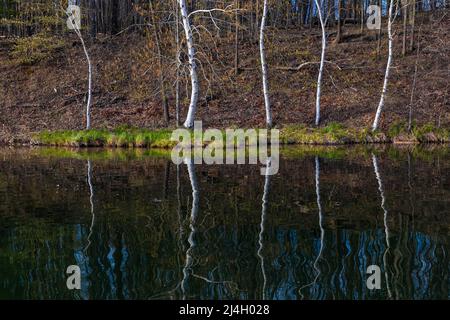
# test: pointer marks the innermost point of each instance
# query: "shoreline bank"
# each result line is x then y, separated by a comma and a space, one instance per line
330, 135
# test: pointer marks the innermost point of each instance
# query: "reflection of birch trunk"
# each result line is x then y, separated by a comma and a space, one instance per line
264, 67
192, 65
265, 202
91, 201
386, 228
319, 206
411, 190
187, 270
322, 230
180, 218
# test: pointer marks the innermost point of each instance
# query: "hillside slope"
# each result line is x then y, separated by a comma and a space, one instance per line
50, 95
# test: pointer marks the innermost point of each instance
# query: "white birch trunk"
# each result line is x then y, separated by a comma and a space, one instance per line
264, 67
189, 123
88, 105
376, 121
322, 62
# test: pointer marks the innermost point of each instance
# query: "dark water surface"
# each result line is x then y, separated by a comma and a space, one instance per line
140, 227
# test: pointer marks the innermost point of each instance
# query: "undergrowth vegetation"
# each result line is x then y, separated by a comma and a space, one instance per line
332, 134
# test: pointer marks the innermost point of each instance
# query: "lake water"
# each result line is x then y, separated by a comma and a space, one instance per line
141, 227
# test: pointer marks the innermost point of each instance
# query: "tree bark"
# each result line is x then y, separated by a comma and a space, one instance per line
236, 40
376, 121
264, 67
405, 5
157, 34
177, 58
189, 123
322, 62
339, 23
412, 20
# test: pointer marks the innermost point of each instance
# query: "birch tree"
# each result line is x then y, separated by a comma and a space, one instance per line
262, 51
189, 123
74, 25
376, 121
322, 60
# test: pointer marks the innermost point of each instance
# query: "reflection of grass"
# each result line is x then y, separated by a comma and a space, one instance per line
102, 154
326, 152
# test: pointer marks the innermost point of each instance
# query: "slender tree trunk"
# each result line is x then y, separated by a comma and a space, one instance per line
93, 19
362, 16
339, 23
177, 81
380, 32
257, 17
405, 25
412, 20
236, 40
413, 88
264, 67
157, 34
115, 25
322, 62
189, 123
376, 121
88, 105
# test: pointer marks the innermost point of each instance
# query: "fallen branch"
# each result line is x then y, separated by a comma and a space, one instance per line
297, 68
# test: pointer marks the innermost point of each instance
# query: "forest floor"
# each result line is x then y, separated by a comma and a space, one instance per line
50, 95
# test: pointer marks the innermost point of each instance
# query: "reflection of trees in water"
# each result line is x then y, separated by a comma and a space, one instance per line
191, 259
322, 230
187, 270
136, 256
265, 203
385, 219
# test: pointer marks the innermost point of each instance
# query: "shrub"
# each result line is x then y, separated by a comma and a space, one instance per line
39, 47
